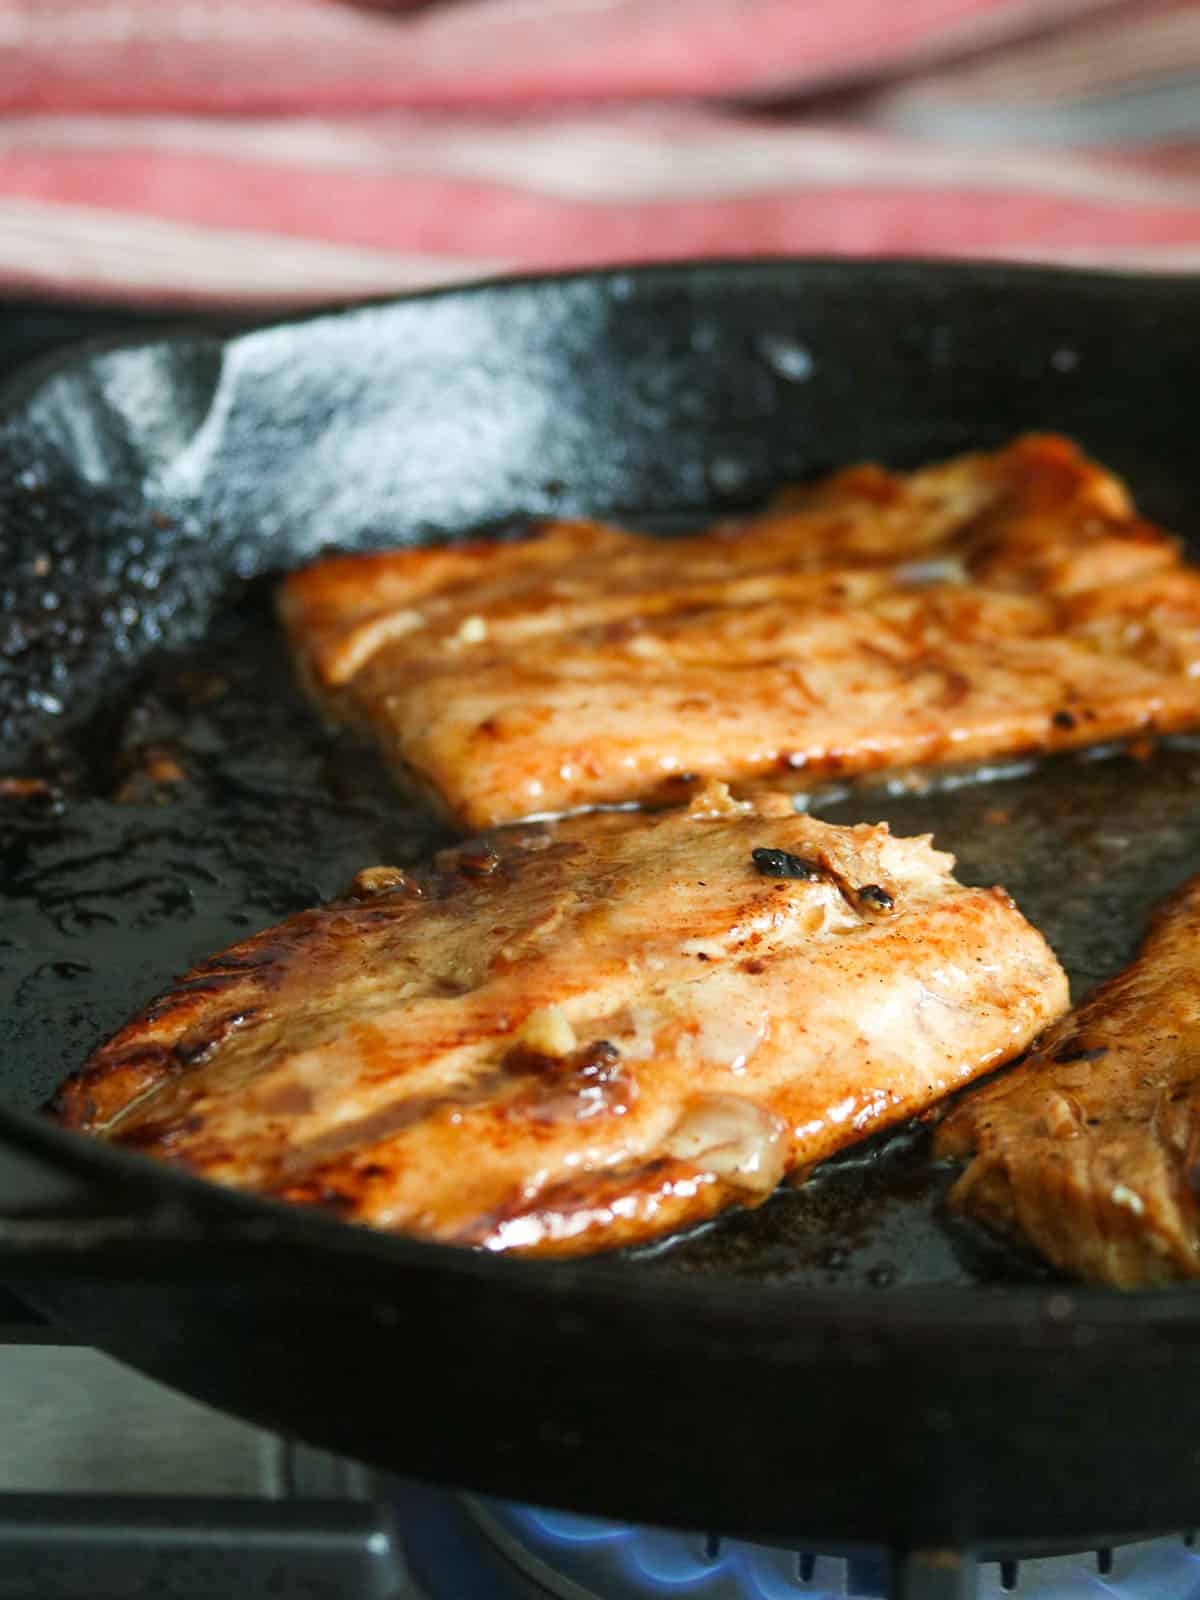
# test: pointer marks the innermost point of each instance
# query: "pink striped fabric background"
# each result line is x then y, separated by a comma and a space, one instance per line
292, 151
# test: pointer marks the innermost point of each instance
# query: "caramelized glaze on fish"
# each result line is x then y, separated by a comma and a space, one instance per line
993, 605
567, 1038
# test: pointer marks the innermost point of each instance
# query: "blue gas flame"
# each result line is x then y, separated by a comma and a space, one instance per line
618, 1558
658, 1562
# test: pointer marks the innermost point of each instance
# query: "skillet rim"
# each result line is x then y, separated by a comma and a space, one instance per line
227, 326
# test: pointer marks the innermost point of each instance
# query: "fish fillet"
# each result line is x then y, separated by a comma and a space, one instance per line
1090, 1150
991, 605
567, 1038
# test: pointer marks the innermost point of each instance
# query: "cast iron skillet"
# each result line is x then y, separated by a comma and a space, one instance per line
840, 1363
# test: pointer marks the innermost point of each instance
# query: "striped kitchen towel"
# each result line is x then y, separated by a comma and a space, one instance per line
293, 151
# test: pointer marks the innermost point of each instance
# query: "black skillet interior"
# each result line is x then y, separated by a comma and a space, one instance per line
150, 490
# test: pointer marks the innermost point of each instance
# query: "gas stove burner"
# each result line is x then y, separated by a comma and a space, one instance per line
112, 1485
584, 1558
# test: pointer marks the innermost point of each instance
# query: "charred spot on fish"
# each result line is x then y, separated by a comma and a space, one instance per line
596, 1059
1069, 1056
591, 1060
160, 1135
193, 1051
587, 1083
199, 1043
1063, 719
524, 1062
147, 1057
211, 983
231, 965
873, 894
782, 864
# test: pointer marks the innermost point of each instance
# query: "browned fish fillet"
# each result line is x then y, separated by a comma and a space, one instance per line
995, 604
570, 1038
1090, 1150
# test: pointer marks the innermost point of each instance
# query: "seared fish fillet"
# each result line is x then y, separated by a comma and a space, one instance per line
566, 1039
1090, 1150
994, 604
